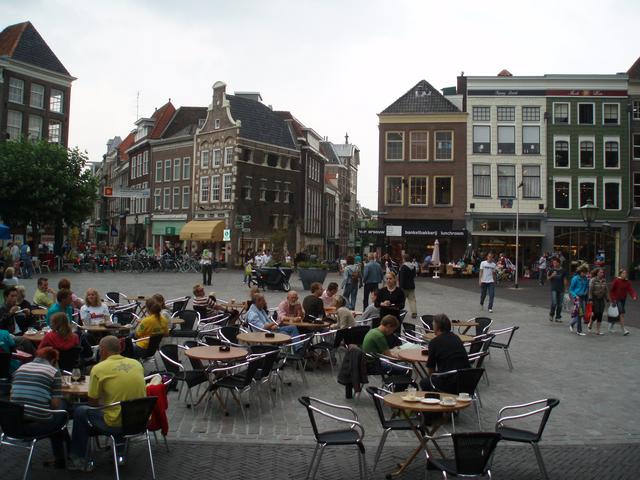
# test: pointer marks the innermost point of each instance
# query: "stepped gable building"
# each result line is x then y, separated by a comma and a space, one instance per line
35, 87
422, 179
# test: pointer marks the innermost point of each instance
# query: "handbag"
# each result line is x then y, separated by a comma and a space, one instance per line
612, 311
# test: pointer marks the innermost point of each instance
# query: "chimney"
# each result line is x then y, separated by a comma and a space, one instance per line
346, 138
505, 73
461, 89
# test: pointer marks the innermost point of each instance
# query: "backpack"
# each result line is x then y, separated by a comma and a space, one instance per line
355, 275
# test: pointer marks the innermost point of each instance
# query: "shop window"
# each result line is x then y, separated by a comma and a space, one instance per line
443, 191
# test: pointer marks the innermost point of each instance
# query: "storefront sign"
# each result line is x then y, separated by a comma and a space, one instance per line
419, 232
371, 231
394, 230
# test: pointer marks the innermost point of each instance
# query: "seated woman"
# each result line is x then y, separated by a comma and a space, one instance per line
10, 280
206, 306
343, 314
60, 337
164, 310
94, 312
153, 324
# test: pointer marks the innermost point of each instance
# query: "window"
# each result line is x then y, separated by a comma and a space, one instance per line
35, 127
176, 198
263, 189
610, 113
586, 154
133, 167
561, 113
216, 123
145, 163
139, 160
55, 132
611, 153
273, 221
442, 191
481, 139
585, 113
587, 191
506, 181
285, 222
481, 114
636, 110
167, 170
444, 145
157, 201
37, 96
186, 168
56, 98
228, 155
204, 159
276, 192
561, 153
395, 146
612, 192
482, 181
506, 114
14, 124
217, 158
530, 114
226, 187
530, 140
204, 189
176, 169
562, 194
288, 195
531, 181
636, 190
636, 146
167, 199
159, 171
506, 140
16, 90
417, 190
393, 190
215, 188
419, 145
272, 161
186, 197
246, 188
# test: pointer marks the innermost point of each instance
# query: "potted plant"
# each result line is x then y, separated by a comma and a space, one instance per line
311, 272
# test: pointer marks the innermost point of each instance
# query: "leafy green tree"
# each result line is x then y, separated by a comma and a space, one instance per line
44, 184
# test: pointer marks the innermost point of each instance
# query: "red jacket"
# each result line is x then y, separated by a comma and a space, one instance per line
159, 420
53, 339
620, 289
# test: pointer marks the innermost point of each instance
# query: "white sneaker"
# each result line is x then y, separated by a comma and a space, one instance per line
582, 334
571, 328
491, 310
601, 333
626, 332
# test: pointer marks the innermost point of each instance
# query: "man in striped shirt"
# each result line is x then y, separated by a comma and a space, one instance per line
38, 384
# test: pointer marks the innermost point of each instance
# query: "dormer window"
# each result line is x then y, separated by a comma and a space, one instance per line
216, 123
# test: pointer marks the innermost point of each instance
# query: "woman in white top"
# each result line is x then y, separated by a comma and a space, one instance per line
94, 312
10, 279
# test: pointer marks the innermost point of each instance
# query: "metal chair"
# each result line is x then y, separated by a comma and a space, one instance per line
150, 352
5, 373
526, 436
395, 376
464, 380
483, 325
290, 353
115, 297
178, 304
68, 359
189, 329
427, 321
229, 335
504, 346
347, 436
191, 378
473, 453
235, 383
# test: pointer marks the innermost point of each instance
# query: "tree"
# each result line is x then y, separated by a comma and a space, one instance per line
44, 184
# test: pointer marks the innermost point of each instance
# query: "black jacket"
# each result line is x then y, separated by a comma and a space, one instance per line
353, 370
406, 276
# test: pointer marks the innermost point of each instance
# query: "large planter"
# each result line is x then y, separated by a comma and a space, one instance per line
311, 275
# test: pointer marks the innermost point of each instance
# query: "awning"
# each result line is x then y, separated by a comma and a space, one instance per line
166, 227
203, 231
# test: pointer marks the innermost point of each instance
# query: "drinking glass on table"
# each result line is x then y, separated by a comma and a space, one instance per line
76, 374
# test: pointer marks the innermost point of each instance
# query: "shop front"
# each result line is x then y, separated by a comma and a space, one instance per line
206, 233
166, 230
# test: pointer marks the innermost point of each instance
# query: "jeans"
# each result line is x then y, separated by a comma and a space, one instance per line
82, 429
350, 293
542, 275
484, 287
577, 320
206, 274
368, 288
58, 440
27, 267
556, 304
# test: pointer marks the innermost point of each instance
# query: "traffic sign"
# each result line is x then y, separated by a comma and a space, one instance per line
238, 224
226, 235
246, 218
246, 230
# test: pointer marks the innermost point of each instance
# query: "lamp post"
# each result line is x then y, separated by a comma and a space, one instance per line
589, 212
515, 284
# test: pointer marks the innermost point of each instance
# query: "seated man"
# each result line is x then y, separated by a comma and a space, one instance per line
11, 316
114, 379
327, 295
313, 304
39, 384
28, 320
206, 306
63, 304
44, 296
446, 352
258, 316
290, 310
376, 341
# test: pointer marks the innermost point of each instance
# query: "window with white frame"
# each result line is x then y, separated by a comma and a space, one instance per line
481, 114
217, 158
587, 191
176, 198
166, 204
186, 168
246, 188
481, 139
530, 140
586, 113
167, 170
482, 181
263, 189
444, 145
16, 90
562, 193
216, 123
139, 160
636, 190
610, 113
226, 187
204, 189
215, 188
228, 156
636, 110
55, 132
395, 146
133, 167
35, 127
157, 199
419, 145
285, 221
276, 192
531, 181
561, 114
393, 191
530, 114
145, 162
636, 146
586, 153
186, 197
159, 171
177, 169
418, 190
14, 124
204, 159
506, 140
273, 221
37, 96
612, 192
443, 191
506, 114
56, 100
506, 181
288, 194
561, 152
611, 152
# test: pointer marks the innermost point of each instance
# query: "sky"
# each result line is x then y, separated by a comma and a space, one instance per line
335, 64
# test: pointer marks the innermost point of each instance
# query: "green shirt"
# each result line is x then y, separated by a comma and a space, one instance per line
42, 298
375, 342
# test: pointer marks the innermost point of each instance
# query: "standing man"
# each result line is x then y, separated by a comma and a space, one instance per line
487, 281
542, 268
205, 261
371, 277
557, 277
27, 262
406, 278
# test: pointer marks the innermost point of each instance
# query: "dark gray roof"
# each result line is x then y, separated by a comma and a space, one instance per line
184, 121
326, 148
260, 123
422, 98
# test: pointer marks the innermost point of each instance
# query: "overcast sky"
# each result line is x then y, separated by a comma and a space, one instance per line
334, 64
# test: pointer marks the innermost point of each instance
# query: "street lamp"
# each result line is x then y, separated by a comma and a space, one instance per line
589, 212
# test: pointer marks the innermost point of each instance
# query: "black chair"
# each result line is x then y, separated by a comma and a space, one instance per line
117, 297
236, 384
296, 352
5, 373
395, 376
191, 378
504, 346
353, 435
189, 329
69, 359
124, 317
229, 335
427, 321
483, 325
526, 436
352, 335
473, 453
464, 380
135, 417
14, 431
388, 424
149, 353
178, 305
267, 356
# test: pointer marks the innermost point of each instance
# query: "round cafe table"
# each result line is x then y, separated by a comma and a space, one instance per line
39, 312
34, 337
416, 357
76, 389
464, 338
309, 325
260, 338
214, 354
114, 328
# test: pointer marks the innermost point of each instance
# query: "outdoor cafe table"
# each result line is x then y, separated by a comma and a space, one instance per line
78, 390
34, 337
415, 356
260, 338
395, 401
115, 328
464, 338
464, 324
39, 312
308, 325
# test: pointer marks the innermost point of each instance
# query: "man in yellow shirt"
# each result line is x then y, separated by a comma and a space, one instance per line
44, 296
114, 379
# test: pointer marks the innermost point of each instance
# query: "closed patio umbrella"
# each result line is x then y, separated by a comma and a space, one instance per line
5, 232
435, 258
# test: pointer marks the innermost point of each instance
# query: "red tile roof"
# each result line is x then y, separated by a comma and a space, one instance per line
10, 37
125, 145
162, 117
634, 71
